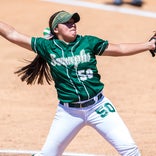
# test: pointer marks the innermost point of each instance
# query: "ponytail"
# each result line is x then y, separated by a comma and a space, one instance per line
37, 70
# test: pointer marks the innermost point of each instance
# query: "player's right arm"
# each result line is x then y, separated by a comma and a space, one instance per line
9, 33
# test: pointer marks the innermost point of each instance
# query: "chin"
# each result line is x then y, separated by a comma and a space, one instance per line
73, 37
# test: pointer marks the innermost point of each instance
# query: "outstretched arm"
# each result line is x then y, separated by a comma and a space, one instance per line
9, 33
126, 49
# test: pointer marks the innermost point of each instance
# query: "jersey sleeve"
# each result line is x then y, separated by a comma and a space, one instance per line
38, 46
98, 45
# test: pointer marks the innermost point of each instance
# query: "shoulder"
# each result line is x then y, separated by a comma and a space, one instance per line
92, 39
39, 40
86, 36
39, 43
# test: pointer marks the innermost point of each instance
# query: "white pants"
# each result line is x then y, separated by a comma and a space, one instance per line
102, 116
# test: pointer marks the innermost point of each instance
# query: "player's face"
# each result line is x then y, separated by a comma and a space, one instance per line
66, 31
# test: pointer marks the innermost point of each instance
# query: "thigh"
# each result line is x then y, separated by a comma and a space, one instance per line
63, 129
106, 120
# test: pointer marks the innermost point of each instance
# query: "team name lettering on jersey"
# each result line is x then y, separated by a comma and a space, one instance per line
72, 60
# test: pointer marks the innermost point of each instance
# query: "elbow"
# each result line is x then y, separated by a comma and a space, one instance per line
115, 50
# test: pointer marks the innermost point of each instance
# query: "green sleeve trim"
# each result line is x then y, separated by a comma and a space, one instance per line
104, 46
33, 44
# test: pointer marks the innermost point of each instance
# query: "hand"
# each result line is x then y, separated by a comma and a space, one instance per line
153, 41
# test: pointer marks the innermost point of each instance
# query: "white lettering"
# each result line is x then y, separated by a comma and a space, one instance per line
72, 60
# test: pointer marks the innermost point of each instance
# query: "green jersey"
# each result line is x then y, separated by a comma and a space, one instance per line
73, 66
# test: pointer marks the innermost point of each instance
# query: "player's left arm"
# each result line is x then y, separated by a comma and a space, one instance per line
126, 49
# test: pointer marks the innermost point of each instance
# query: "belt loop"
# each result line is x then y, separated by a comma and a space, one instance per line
81, 105
96, 99
66, 104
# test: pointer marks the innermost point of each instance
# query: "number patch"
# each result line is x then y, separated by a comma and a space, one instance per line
104, 110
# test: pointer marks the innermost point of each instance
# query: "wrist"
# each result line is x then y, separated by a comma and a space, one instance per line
152, 44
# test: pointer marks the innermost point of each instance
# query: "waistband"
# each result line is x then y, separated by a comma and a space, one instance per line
83, 104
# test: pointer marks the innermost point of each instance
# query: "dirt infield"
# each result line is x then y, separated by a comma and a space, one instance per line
130, 82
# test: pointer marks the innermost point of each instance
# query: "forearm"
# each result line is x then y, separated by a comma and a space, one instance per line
127, 49
133, 48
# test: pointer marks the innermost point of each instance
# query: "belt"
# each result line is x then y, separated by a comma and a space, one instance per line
83, 104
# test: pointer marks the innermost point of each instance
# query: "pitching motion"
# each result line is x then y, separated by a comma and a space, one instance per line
69, 60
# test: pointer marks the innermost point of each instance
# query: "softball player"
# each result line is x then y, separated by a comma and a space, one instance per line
72, 62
